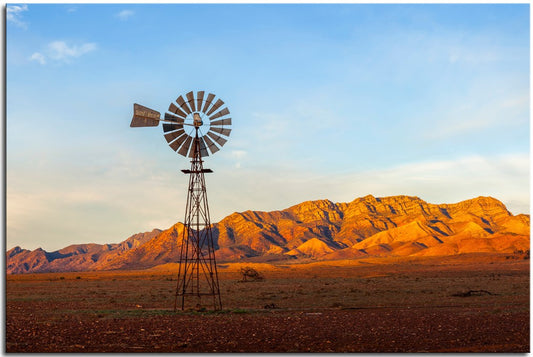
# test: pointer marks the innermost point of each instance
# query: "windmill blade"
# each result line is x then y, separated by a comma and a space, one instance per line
177, 143
193, 149
190, 100
174, 135
183, 105
200, 98
172, 108
221, 131
218, 139
172, 117
186, 146
221, 113
211, 145
143, 116
215, 107
221, 122
171, 127
208, 101
203, 148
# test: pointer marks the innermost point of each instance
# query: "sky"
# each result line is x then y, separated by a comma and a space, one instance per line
327, 102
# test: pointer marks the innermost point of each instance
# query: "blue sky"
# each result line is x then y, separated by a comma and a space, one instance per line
328, 101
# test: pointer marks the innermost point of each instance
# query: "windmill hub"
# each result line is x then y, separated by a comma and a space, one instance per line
197, 120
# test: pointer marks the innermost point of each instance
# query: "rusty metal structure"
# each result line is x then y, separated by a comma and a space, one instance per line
193, 126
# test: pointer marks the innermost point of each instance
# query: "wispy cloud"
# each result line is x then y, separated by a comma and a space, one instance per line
238, 156
39, 57
14, 14
124, 198
474, 56
125, 14
505, 177
60, 51
482, 112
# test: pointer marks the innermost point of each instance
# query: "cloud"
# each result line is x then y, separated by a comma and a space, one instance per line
39, 57
238, 156
473, 55
271, 125
480, 110
108, 203
504, 177
14, 14
60, 51
125, 14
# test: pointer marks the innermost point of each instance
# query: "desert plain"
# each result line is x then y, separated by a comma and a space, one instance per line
460, 303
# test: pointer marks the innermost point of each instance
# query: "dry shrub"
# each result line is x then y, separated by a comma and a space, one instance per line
250, 274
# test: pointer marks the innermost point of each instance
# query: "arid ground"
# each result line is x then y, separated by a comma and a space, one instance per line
474, 303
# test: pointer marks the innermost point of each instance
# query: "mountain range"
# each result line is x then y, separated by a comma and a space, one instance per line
312, 230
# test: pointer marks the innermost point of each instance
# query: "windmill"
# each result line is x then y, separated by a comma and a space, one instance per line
193, 127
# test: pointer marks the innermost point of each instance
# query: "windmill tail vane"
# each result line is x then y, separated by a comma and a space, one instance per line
143, 116
194, 127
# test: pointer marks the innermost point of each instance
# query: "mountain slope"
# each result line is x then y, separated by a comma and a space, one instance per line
367, 226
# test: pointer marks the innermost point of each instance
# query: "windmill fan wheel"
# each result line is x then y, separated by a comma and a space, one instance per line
205, 114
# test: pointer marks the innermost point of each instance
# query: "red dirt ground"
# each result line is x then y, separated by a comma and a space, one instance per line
408, 307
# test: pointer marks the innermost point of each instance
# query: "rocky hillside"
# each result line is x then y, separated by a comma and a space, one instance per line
321, 230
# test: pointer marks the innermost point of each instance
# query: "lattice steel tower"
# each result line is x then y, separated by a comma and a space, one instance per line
193, 128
